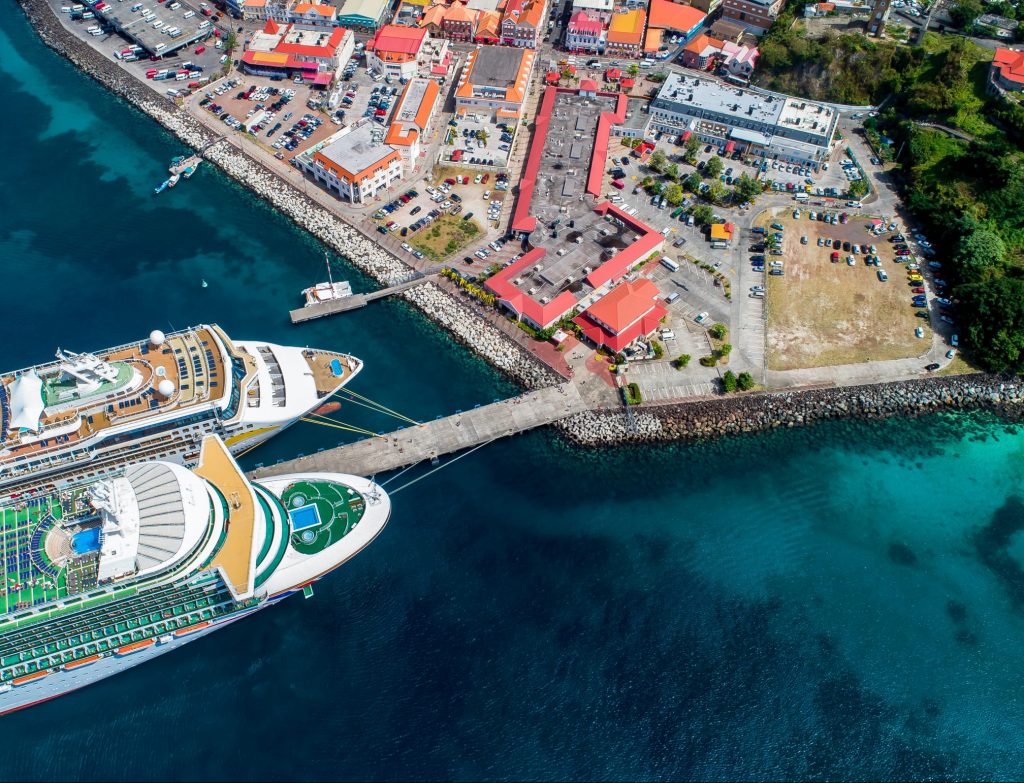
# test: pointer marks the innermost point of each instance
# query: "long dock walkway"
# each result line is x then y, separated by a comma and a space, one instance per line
441, 436
355, 301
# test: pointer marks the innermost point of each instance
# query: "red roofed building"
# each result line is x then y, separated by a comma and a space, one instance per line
1007, 71
459, 22
522, 22
397, 51
628, 311
584, 33
288, 50
541, 289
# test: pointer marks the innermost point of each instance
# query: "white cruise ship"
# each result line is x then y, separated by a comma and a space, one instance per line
102, 575
88, 413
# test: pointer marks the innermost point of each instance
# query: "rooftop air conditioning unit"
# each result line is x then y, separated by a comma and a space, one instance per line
545, 299
533, 291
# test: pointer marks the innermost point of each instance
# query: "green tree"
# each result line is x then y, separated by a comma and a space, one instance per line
230, 42
964, 12
717, 191
657, 161
745, 381
725, 350
979, 249
714, 168
692, 182
718, 331
681, 362
633, 70
703, 214
674, 195
729, 381
858, 188
994, 312
672, 172
747, 188
691, 148
708, 361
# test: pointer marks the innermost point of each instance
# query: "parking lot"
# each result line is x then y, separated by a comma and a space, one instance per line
201, 59
482, 142
837, 293
457, 195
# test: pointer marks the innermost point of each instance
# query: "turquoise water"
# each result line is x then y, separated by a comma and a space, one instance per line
844, 601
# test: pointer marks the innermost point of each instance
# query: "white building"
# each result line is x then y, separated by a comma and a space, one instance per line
355, 162
768, 126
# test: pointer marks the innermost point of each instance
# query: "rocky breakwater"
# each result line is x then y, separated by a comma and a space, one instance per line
329, 228
706, 419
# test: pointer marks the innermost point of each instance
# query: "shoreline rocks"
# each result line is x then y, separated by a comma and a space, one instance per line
707, 419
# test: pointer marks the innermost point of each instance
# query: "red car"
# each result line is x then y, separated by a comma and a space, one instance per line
918, 290
486, 177
449, 181
200, 49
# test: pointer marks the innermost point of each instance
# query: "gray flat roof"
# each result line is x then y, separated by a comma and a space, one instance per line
414, 93
496, 66
134, 26
356, 150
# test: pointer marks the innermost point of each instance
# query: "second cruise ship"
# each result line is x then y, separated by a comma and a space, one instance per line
85, 414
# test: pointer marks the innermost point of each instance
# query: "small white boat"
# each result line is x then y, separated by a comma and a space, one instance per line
325, 292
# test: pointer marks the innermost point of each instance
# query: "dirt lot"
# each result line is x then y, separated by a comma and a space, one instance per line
822, 313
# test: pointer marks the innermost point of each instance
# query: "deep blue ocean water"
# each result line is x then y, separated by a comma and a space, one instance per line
844, 601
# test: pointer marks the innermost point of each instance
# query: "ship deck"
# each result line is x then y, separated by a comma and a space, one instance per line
191, 360
321, 513
235, 555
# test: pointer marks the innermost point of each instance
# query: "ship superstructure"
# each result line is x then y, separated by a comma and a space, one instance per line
103, 575
91, 412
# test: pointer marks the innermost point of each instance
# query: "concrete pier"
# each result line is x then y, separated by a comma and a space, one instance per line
442, 436
353, 302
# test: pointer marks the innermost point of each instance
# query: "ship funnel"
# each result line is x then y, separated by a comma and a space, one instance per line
156, 338
165, 387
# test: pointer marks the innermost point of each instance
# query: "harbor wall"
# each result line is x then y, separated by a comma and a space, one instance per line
466, 326
710, 418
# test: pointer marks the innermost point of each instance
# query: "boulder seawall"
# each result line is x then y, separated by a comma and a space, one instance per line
707, 419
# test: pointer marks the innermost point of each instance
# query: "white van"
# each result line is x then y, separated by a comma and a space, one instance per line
801, 197
203, 25
189, 14
159, 46
669, 264
671, 298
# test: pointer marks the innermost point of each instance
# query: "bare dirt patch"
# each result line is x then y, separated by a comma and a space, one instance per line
823, 313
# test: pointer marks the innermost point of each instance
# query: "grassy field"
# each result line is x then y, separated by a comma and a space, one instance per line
445, 236
822, 314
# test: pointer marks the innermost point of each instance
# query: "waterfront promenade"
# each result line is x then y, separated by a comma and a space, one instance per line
416, 443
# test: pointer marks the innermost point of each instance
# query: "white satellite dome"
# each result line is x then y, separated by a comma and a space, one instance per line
156, 338
165, 387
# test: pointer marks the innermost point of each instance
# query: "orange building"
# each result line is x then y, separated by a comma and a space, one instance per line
353, 164
626, 33
494, 81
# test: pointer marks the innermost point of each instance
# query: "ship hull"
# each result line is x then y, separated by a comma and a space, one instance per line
63, 682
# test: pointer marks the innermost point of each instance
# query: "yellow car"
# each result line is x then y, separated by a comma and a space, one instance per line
915, 279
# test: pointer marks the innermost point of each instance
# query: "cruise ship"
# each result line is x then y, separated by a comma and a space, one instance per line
87, 413
103, 575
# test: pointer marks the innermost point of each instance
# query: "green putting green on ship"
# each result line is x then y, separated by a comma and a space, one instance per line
321, 513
